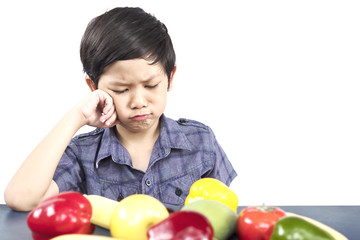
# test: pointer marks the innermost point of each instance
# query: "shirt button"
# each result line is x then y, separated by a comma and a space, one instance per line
178, 192
183, 120
148, 182
120, 197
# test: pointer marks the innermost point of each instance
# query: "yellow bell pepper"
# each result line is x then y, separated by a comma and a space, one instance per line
211, 188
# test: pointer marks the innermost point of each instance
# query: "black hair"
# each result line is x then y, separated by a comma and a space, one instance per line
123, 34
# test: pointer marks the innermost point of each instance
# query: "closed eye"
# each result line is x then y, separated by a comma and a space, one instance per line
120, 91
152, 86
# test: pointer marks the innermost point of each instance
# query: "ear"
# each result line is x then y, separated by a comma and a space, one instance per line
171, 79
90, 83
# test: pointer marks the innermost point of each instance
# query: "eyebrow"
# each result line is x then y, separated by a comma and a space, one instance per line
121, 82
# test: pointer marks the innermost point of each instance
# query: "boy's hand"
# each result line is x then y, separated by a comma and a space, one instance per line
98, 110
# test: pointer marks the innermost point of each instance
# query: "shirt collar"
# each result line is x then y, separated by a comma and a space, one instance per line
110, 146
170, 137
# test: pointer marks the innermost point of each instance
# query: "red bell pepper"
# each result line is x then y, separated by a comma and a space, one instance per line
257, 223
182, 225
67, 212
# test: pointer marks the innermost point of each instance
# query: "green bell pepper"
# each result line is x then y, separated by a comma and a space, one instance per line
296, 228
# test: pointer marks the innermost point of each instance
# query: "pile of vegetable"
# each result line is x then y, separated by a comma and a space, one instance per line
210, 212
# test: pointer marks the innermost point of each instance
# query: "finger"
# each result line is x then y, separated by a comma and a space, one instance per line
108, 104
104, 100
106, 116
112, 121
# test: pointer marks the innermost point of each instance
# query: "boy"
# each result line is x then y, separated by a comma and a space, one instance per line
129, 60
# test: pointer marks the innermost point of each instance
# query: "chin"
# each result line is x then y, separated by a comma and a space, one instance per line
138, 126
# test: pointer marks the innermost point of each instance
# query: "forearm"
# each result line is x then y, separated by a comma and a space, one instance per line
31, 182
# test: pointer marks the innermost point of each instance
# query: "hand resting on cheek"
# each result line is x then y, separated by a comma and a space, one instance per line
98, 110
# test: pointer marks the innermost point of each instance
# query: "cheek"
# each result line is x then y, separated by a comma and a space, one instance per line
119, 103
156, 98
160, 101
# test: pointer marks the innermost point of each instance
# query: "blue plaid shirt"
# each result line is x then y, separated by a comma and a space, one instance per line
186, 150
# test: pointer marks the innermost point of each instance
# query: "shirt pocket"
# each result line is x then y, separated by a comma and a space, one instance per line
117, 180
117, 190
175, 190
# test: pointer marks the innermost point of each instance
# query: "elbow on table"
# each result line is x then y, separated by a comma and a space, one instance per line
19, 201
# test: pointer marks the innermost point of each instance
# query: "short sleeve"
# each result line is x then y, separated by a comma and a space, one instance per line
223, 169
69, 175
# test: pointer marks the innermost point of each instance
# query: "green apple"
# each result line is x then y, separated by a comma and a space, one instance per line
134, 215
222, 218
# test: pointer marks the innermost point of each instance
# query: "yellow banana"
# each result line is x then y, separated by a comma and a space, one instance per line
82, 237
335, 234
102, 209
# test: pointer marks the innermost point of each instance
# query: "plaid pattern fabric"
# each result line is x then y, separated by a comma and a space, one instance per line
186, 150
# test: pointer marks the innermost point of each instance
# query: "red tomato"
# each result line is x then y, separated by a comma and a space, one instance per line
257, 223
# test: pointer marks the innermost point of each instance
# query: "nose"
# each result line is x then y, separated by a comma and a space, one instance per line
137, 100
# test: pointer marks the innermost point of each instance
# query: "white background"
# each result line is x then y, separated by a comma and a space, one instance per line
278, 82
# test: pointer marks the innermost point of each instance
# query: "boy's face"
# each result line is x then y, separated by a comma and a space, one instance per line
139, 91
